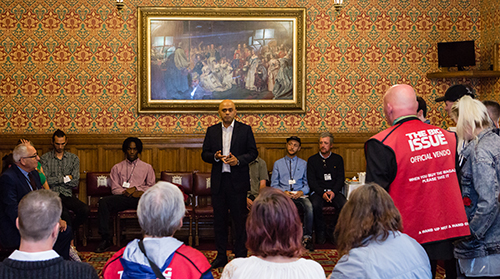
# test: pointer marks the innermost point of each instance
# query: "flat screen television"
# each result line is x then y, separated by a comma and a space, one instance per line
456, 54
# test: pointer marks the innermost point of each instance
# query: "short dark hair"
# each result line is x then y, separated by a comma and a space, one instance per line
7, 161
126, 144
58, 133
422, 105
273, 226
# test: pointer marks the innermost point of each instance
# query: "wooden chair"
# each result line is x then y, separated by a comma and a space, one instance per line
203, 201
97, 187
184, 180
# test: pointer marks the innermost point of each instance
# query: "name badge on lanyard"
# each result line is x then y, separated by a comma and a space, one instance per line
328, 176
126, 184
291, 181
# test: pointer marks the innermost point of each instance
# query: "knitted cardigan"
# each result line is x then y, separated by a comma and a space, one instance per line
54, 269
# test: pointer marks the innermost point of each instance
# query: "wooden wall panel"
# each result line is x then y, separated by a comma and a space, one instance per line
184, 153
169, 159
194, 161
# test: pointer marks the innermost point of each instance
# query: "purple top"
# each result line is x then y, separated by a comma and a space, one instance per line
138, 173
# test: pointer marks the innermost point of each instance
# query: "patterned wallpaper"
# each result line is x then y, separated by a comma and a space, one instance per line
71, 64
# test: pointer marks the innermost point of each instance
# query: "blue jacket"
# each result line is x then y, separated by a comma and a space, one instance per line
480, 182
399, 256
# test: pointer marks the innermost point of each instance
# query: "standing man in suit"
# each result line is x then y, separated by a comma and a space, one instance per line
17, 181
229, 146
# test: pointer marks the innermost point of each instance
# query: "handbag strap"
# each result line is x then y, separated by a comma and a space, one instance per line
155, 268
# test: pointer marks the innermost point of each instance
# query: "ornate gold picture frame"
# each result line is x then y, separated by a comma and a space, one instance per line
189, 59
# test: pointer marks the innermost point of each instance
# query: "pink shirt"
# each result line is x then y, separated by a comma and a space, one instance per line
138, 173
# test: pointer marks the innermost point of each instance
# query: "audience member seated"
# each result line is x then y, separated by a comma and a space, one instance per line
325, 175
128, 181
38, 224
159, 255
17, 181
290, 176
62, 170
274, 235
258, 179
370, 241
478, 254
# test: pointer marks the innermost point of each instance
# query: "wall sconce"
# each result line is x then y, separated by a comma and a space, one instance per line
119, 5
338, 4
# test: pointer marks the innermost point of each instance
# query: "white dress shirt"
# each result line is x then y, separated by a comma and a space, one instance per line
227, 134
33, 256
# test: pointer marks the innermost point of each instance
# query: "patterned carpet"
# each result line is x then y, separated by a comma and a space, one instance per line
327, 258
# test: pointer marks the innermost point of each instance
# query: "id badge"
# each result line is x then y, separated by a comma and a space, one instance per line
328, 176
291, 181
126, 184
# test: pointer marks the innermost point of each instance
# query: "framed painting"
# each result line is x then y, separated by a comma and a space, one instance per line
189, 59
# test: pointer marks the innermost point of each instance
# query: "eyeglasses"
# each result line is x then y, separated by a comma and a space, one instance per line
34, 156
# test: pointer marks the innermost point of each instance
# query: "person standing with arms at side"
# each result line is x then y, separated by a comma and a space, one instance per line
415, 163
325, 175
62, 170
229, 146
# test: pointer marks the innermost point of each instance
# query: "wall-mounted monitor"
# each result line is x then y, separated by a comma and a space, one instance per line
456, 54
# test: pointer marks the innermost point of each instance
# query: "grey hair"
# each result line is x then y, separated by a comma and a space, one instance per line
470, 114
326, 135
38, 213
161, 209
21, 150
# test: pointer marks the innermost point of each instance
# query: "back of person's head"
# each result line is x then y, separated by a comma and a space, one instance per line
38, 212
422, 106
126, 144
493, 111
7, 162
21, 150
161, 209
470, 114
369, 213
273, 226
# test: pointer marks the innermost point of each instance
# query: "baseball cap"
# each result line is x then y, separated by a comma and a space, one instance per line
293, 138
455, 92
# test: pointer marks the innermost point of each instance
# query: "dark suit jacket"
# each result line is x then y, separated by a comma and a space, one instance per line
242, 146
13, 187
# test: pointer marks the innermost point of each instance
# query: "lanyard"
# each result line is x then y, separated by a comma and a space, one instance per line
130, 176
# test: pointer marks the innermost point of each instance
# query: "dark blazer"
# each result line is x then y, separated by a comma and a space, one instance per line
13, 187
242, 146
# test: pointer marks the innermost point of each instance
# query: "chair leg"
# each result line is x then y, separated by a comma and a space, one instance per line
190, 238
118, 232
196, 233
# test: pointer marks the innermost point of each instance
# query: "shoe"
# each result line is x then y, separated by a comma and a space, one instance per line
73, 254
308, 243
103, 246
218, 262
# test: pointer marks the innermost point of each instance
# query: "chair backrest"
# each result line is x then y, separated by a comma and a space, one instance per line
97, 184
184, 179
202, 184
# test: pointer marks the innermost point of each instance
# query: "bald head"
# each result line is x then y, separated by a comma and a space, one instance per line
227, 112
400, 100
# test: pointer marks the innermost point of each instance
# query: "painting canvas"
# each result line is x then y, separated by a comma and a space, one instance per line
190, 59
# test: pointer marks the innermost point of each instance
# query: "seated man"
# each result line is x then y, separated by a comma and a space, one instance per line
325, 174
290, 176
62, 170
17, 181
38, 224
258, 178
160, 213
128, 181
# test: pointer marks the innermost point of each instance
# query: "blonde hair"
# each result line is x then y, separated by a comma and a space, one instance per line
470, 115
